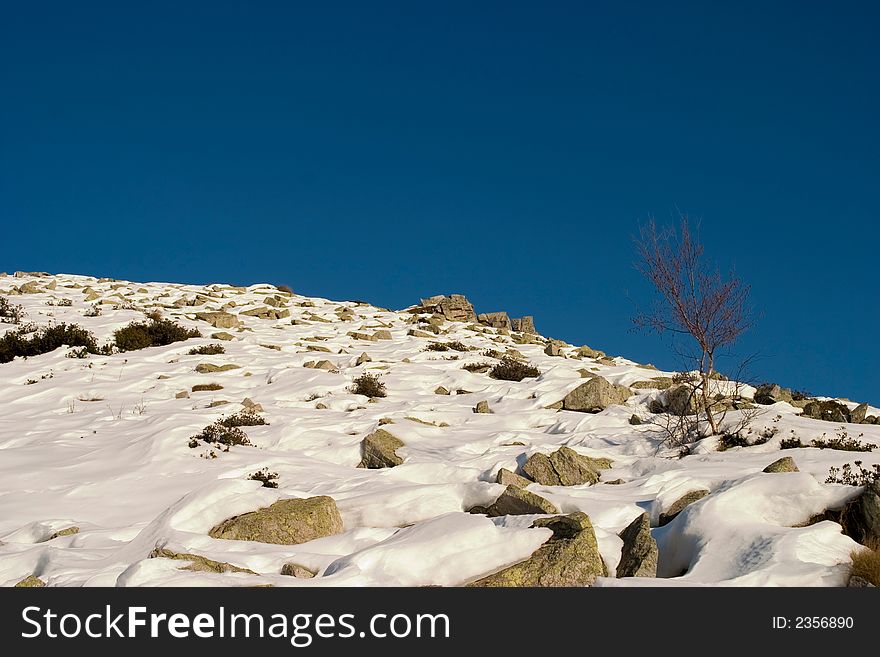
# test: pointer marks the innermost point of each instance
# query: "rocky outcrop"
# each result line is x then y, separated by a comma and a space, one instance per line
379, 450
785, 464
860, 518
220, 319
525, 324
509, 478
678, 506
829, 410
482, 407
286, 522
515, 501
770, 393
455, 307
495, 320
564, 467
859, 414
569, 558
595, 395
639, 554
198, 563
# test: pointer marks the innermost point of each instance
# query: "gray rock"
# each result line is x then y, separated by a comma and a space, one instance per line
495, 320
219, 319
564, 467
525, 324
785, 464
682, 399
569, 558
639, 555
379, 450
859, 413
678, 506
482, 407
770, 393
509, 478
635, 420
295, 570
861, 517
455, 307
595, 395
198, 563
516, 501
829, 410
286, 522
555, 348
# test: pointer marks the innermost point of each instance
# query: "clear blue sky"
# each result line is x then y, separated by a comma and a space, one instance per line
507, 150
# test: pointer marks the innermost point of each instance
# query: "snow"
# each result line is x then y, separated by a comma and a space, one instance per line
102, 444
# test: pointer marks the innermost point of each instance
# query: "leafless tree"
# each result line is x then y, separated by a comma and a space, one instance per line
694, 300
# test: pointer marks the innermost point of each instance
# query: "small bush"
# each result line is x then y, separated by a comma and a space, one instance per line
843, 442
369, 385
153, 333
93, 311
207, 350
268, 478
477, 368
217, 434
65, 303
436, 346
846, 475
206, 387
10, 313
791, 443
27, 342
728, 440
510, 369
866, 563
243, 419
79, 352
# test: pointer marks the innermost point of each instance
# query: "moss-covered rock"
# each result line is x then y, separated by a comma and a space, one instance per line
286, 522
31, 582
678, 506
564, 467
595, 395
639, 555
785, 464
379, 450
516, 501
509, 478
198, 563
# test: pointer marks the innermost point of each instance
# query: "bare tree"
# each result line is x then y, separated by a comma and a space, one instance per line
693, 299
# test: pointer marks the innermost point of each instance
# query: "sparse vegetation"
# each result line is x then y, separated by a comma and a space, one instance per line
27, 342
369, 385
477, 368
206, 387
10, 313
268, 478
853, 477
93, 311
791, 443
843, 441
207, 350
218, 434
246, 418
454, 345
510, 369
155, 332
866, 563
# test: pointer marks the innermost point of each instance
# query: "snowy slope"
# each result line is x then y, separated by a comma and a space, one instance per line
101, 443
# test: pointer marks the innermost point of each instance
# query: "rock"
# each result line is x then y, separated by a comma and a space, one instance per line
569, 558
785, 464
286, 522
419, 334
363, 358
658, 382
67, 531
183, 394
295, 570
678, 506
30, 582
639, 554
516, 501
482, 407
564, 467
455, 307
495, 320
359, 335
586, 352
872, 419
770, 393
856, 582
830, 411
222, 335
320, 365
595, 395
682, 399
379, 450
198, 563
29, 288
525, 324
861, 517
859, 413
555, 348
508, 478
635, 420
210, 368
440, 390
219, 319
251, 405
383, 335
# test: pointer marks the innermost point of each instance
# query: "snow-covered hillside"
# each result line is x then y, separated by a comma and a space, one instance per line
104, 444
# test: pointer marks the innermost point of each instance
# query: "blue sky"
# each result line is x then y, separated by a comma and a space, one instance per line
390, 150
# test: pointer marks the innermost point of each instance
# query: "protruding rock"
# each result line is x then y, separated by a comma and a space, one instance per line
210, 368
564, 467
859, 413
67, 531
516, 501
555, 348
363, 358
861, 517
525, 324
286, 522
770, 393
379, 450
829, 410
198, 563
495, 320
509, 478
635, 420
595, 395
785, 464
295, 570
31, 582
678, 506
639, 554
455, 307
569, 558
482, 407
219, 319
440, 390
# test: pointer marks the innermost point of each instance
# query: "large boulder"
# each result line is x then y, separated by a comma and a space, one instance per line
678, 506
770, 393
379, 450
639, 554
525, 324
455, 307
861, 517
595, 395
286, 522
219, 319
829, 410
859, 413
682, 399
564, 467
495, 320
509, 478
515, 501
569, 558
